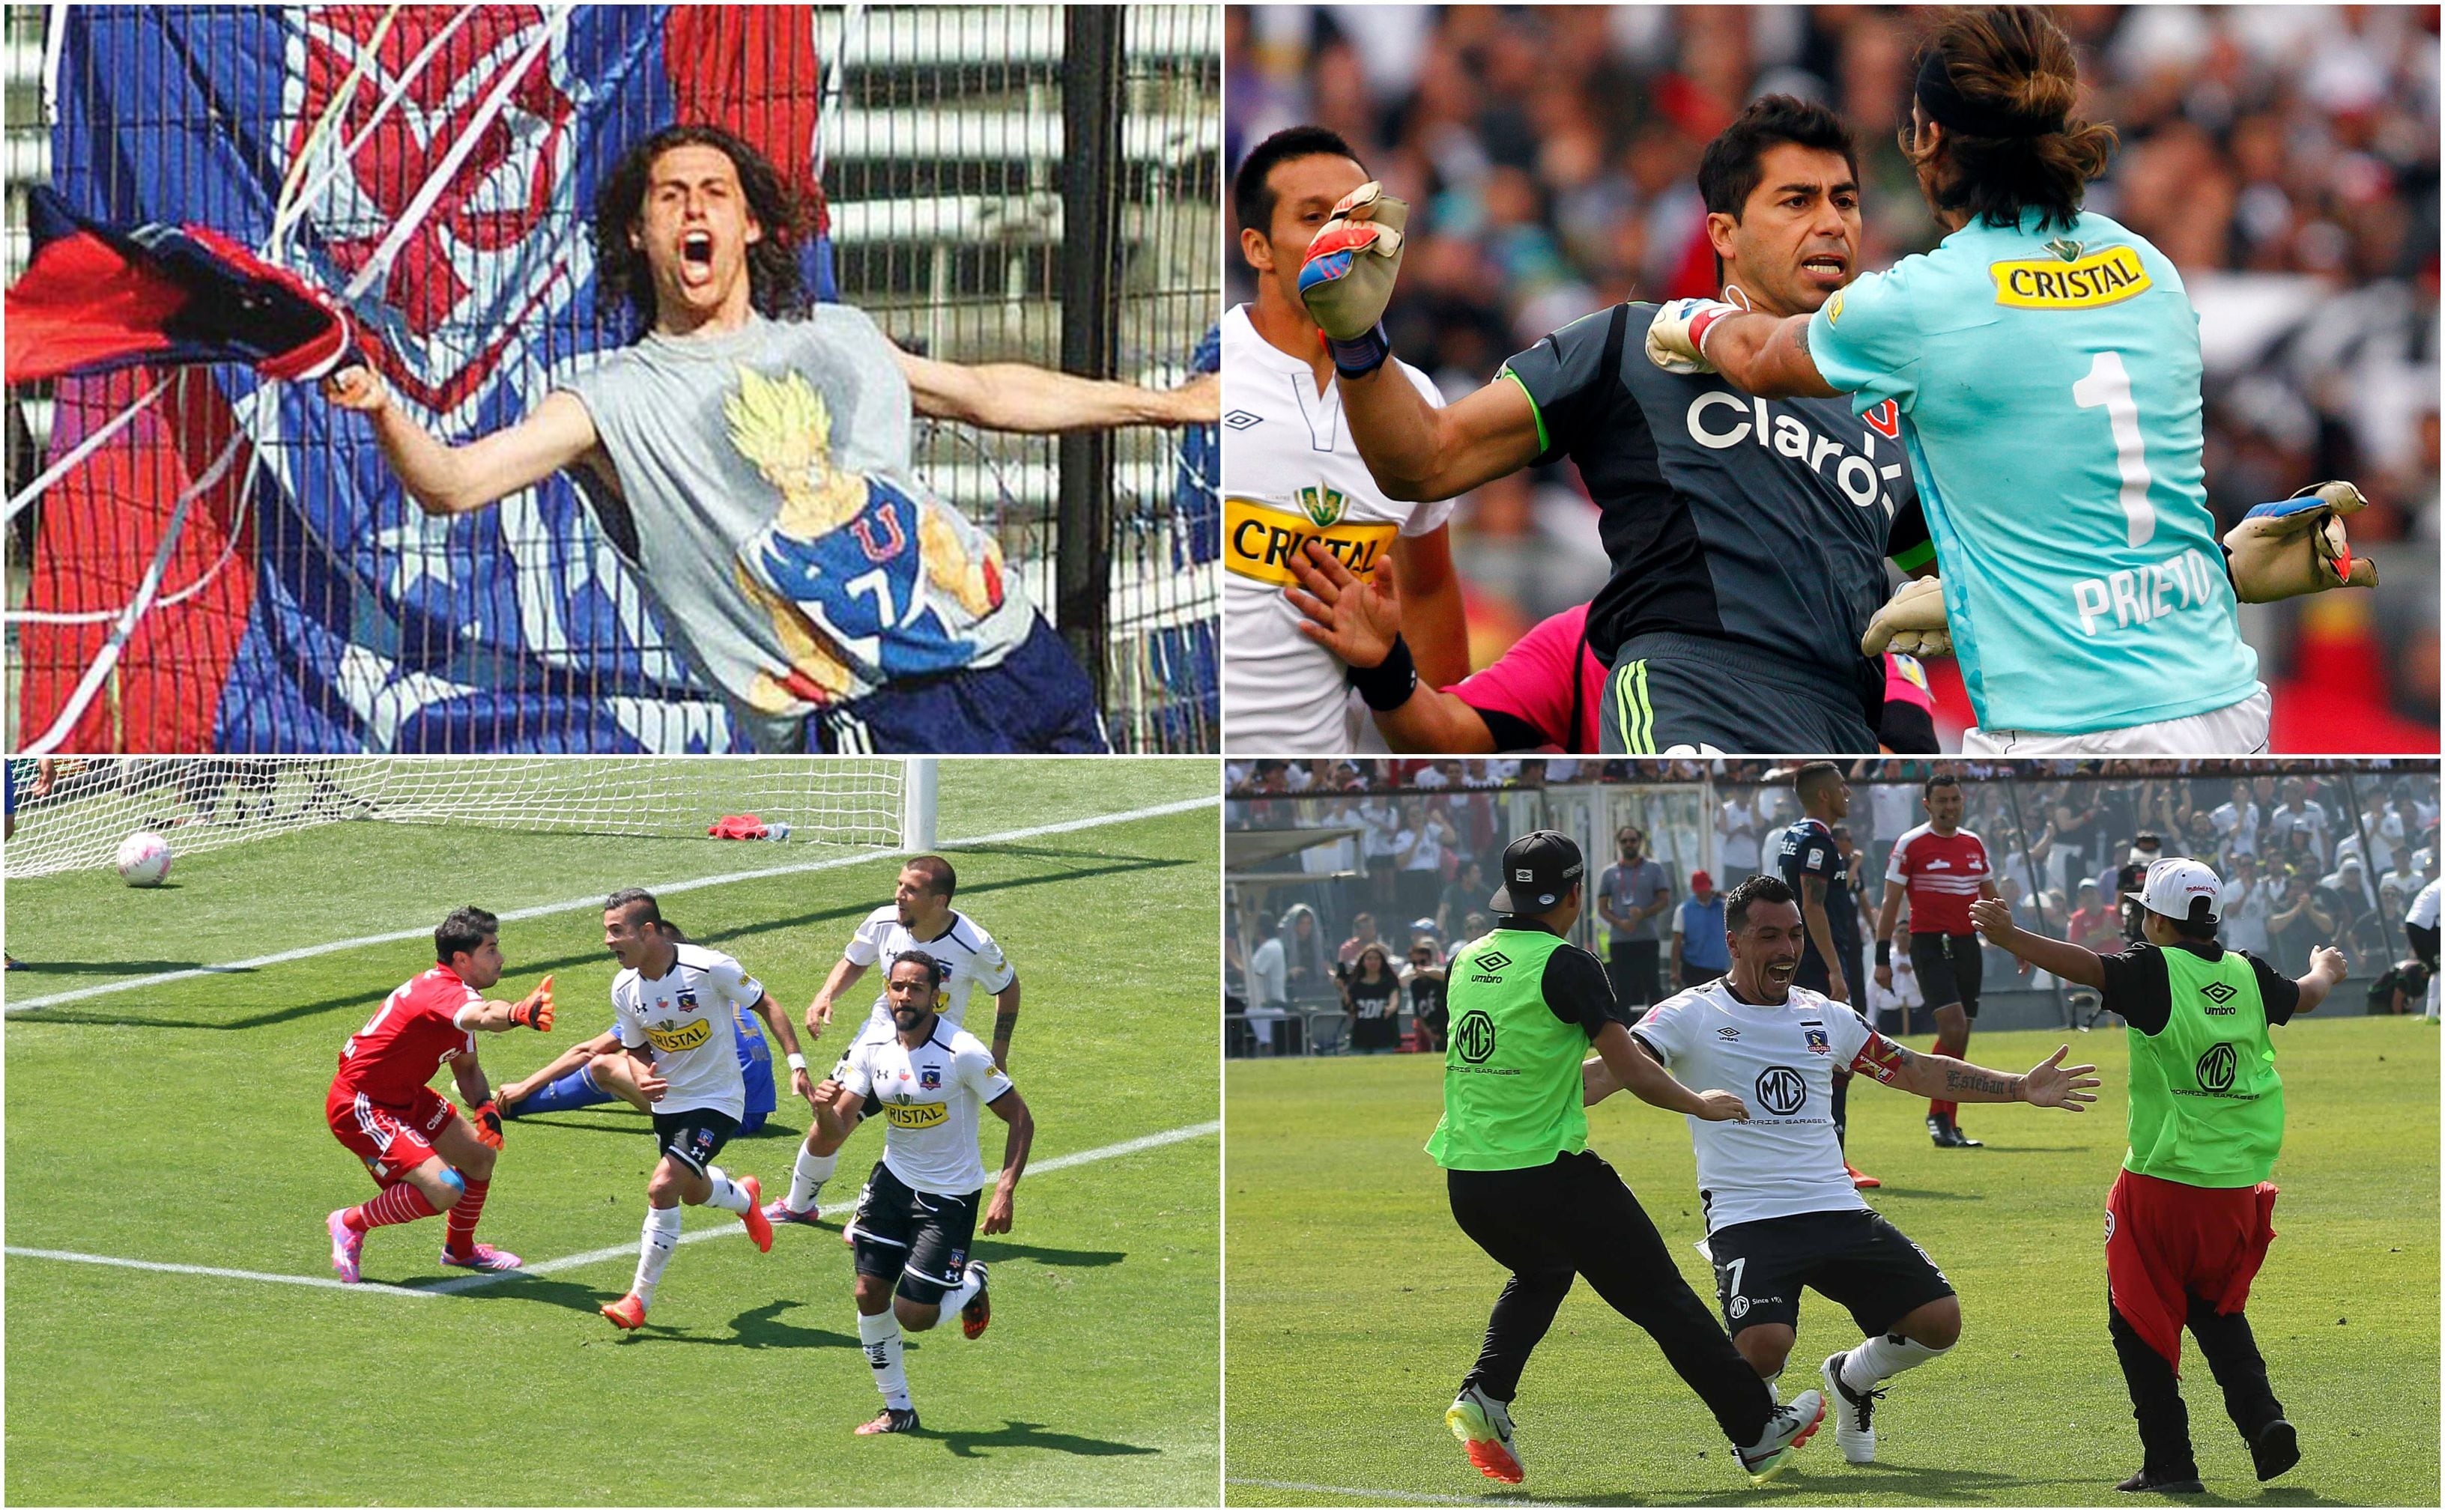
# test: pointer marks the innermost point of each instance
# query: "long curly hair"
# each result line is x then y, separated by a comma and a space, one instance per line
624, 284
2013, 61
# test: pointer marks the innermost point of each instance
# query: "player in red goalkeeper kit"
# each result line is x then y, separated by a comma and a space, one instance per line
421, 1150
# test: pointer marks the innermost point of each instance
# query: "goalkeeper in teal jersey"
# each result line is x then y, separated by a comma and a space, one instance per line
2046, 365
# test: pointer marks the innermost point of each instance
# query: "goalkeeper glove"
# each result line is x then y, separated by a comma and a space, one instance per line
534, 1010
1912, 622
1347, 279
486, 1116
1676, 339
2299, 546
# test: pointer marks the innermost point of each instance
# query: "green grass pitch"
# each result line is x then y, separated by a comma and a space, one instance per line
1353, 1304
182, 1124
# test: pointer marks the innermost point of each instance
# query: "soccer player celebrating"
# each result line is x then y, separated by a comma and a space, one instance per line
1942, 867
2190, 1218
1813, 868
675, 1003
920, 917
918, 1213
1747, 540
2046, 362
748, 459
1524, 1006
425, 1155
1781, 1213
1292, 479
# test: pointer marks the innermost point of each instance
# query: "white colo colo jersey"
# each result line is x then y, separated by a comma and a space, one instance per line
1291, 474
974, 959
928, 1097
685, 1018
1781, 1061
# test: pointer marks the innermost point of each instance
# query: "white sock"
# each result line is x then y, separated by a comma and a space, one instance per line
1772, 1393
807, 1178
1882, 1357
654, 1249
727, 1194
962, 1295
880, 1334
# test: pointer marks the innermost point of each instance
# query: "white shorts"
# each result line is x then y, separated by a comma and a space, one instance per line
2235, 730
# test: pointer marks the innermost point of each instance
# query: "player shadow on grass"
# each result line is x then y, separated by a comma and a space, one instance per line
758, 1328
354, 1003
1014, 1434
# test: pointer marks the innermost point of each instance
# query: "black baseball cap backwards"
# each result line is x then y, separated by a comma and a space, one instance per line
1537, 869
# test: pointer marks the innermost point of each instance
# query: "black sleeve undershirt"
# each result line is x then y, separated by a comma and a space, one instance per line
1578, 991
1512, 732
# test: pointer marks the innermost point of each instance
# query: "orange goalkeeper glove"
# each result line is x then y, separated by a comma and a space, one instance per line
534, 1010
486, 1116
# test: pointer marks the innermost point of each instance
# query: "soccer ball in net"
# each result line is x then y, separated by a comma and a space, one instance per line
143, 859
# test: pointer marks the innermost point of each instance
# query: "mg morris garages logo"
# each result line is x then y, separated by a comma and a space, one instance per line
2215, 1067
1781, 1089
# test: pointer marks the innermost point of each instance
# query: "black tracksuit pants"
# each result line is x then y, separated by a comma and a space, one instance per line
2233, 1358
1548, 1223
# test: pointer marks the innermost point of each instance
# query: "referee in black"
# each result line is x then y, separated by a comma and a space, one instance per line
1747, 537
1526, 1006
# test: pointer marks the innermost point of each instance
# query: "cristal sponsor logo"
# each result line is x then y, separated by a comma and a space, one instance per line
1260, 538
673, 1037
1781, 1089
916, 1116
1473, 1036
2215, 1067
2082, 283
2143, 595
1719, 420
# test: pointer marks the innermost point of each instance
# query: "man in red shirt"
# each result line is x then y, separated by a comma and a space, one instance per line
1944, 869
426, 1156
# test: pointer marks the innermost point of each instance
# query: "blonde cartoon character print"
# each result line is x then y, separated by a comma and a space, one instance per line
856, 570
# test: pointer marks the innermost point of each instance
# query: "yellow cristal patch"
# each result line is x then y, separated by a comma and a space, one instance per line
916, 1116
686, 1038
1257, 540
2100, 279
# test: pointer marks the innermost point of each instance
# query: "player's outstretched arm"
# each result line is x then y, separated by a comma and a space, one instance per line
1359, 620
2078, 965
1038, 400
1006, 1019
1767, 355
1415, 451
512, 1093
446, 480
819, 1012
534, 1010
1011, 1110
1620, 1061
2326, 971
2047, 1084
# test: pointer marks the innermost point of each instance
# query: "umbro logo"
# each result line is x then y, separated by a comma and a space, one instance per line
1240, 420
2221, 995
1727, 1034
1493, 961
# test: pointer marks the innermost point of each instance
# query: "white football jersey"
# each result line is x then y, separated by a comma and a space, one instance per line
928, 1097
2423, 907
1291, 474
974, 959
686, 1017
1780, 1062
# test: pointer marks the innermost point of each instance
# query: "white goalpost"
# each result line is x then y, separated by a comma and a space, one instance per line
206, 803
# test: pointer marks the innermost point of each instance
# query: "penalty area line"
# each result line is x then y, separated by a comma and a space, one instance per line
575, 905
463, 1283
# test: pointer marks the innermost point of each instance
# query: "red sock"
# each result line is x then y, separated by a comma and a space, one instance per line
1937, 1110
462, 1241
401, 1203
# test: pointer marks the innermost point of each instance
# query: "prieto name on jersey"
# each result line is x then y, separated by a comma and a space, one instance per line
1261, 536
2146, 595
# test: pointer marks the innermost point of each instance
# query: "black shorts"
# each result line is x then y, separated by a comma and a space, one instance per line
1857, 1258
695, 1137
914, 1237
1948, 968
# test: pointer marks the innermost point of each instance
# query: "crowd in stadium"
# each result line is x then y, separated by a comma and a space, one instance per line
2285, 158
2312, 853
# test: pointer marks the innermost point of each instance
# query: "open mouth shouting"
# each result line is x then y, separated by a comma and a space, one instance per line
1826, 270
695, 258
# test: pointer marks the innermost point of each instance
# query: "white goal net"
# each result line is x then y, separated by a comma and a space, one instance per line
204, 803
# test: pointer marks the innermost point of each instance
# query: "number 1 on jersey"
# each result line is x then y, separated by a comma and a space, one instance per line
2109, 386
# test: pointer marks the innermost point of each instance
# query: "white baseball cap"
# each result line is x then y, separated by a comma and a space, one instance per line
2174, 883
